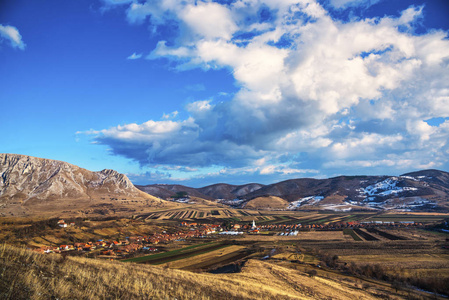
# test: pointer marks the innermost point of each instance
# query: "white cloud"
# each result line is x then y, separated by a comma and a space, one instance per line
348, 94
170, 116
209, 20
364, 144
134, 56
11, 34
284, 170
137, 13
199, 107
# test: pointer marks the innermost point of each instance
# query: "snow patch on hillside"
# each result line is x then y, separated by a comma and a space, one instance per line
337, 207
384, 188
304, 201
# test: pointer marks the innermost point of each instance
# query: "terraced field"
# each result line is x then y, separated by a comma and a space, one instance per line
198, 213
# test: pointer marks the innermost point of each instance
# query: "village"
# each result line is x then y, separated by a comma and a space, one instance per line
143, 244
114, 249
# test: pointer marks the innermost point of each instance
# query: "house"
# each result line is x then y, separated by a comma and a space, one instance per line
100, 243
79, 246
88, 247
66, 247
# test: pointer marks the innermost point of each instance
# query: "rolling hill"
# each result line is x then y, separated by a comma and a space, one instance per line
426, 190
211, 192
30, 185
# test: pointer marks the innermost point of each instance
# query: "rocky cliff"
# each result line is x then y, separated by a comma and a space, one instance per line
32, 182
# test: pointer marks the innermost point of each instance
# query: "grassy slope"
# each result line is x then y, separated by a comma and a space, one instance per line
28, 275
270, 202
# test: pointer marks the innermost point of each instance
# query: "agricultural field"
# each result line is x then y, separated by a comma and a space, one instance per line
377, 256
198, 213
199, 257
371, 259
177, 254
210, 213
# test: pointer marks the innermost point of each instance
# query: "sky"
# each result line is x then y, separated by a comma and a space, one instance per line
233, 91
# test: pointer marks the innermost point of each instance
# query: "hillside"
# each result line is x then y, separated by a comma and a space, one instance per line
28, 275
268, 203
426, 190
211, 192
228, 191
166, 191
31, 185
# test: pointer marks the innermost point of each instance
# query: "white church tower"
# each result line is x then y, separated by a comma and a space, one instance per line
254, 225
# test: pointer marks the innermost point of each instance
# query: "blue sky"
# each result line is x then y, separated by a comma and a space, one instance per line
200, 92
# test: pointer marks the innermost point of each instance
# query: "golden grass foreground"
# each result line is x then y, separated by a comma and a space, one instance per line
28, 275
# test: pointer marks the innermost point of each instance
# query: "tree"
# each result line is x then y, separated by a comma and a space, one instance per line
397, 285
180, 194
312, 273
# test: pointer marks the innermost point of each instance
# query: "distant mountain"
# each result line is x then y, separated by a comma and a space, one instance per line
228, 192
211, 192
29, 183
166, 191
426, 190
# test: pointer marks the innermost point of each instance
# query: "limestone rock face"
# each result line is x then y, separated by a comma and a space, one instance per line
24, 177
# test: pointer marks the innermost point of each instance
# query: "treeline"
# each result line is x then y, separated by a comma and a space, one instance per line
34, 228
438, 285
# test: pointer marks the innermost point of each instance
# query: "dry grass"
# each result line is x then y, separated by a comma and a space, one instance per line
270, 202
28, 275
204, 258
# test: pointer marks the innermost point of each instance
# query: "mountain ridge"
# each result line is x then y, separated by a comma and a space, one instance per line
28, 183
34, 185
426, 190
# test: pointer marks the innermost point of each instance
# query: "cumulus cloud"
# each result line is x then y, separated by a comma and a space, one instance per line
217, 17
11, 34
315, 93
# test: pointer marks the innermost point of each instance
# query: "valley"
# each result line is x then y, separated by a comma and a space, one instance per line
364, 237
376, 254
